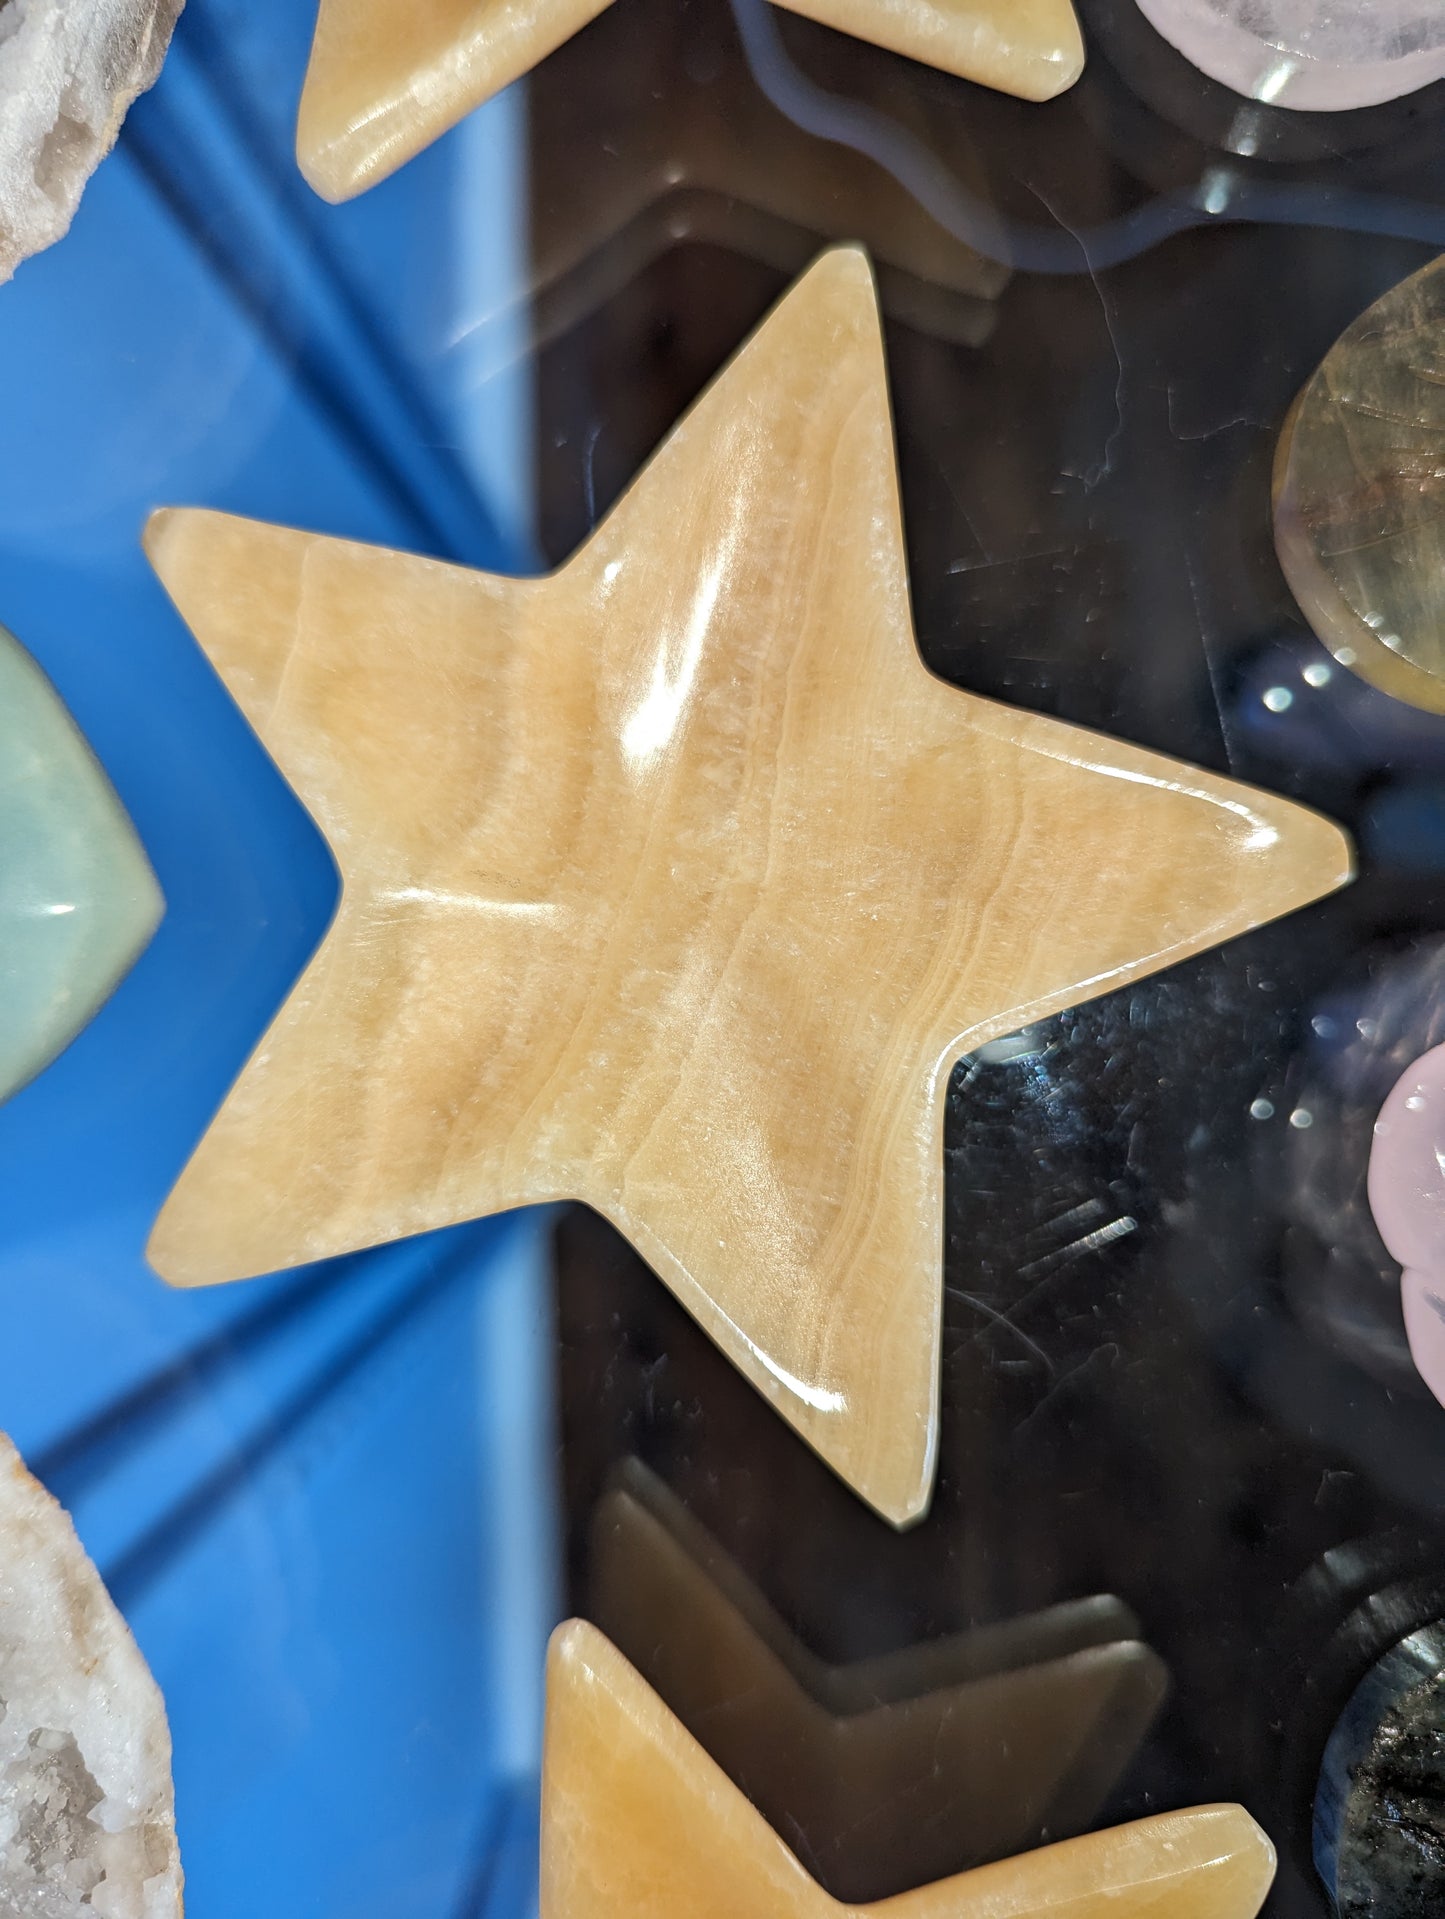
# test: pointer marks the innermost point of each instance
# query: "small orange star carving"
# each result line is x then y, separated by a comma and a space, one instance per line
639, 1823
386, 80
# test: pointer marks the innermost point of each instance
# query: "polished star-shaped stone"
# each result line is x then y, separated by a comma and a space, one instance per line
673, 882
639, 1823
384, 80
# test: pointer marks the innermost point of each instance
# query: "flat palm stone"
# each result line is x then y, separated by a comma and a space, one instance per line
78, 900
1358, 490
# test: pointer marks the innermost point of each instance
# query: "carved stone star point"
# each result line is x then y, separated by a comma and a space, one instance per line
639, 1823
385, 81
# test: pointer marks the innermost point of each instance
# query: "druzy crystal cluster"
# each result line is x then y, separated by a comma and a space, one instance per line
69, 69
87, 1819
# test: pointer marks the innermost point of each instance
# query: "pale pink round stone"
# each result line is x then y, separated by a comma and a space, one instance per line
1314, 55
1407, 1197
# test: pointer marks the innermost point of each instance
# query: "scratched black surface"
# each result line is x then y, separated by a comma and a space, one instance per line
1174, 1366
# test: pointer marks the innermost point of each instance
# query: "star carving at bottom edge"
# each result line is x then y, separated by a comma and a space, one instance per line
639, 1823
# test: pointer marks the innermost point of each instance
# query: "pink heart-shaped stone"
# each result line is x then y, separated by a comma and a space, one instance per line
1407, 1197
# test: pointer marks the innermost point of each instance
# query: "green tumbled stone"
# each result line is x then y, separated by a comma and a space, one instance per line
78, 900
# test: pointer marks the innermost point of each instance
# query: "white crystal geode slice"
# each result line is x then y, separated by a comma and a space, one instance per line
69, 69
87, 1813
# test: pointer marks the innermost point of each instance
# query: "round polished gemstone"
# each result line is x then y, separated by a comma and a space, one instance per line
1359, 484
1316, 55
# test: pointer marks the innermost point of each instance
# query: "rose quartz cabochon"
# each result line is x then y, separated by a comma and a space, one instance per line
1407, 1197
1313, 55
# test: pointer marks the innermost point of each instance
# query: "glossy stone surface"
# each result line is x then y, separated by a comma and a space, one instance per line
87, 1814
1317, 55
1359, 484
385, 81
1407, 1197
950, 1753
69, 69
1379, 1827
78, 901
1336, 1273
672, 882
638, 1823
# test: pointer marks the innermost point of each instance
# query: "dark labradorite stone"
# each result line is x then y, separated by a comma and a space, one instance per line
1380, 1809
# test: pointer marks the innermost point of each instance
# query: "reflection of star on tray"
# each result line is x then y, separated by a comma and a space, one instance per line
386, 80
631, 158
944, 1755
78, 900
638, 1823
674, 883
